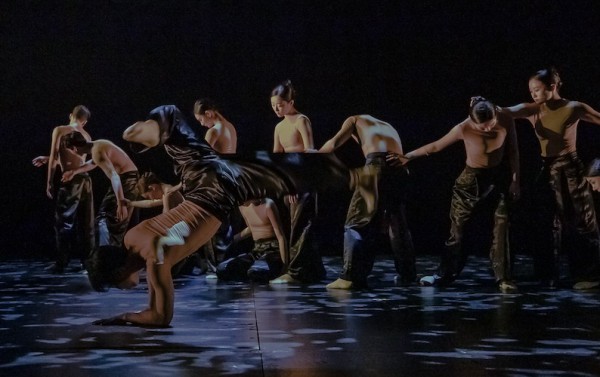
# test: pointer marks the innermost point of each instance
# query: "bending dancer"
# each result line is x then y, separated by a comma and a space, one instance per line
377, 138
113, 216
264, 225
564, 196
222, 137
488, 135
74, 214
212, 187
294, 134
155, 193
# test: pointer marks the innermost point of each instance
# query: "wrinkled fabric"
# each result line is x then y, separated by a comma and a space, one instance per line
240, 268
111, 230
471, 189
565, 203
362, 225
74, 219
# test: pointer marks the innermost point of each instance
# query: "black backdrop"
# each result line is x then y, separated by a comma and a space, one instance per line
414, 64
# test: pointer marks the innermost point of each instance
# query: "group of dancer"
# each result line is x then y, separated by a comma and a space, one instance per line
215, 179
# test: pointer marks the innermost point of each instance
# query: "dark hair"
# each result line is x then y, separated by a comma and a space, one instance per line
81, 112
593, 169
548, 76
285, 90
203, 105
147, 179
481, 110
74, 139
106, 266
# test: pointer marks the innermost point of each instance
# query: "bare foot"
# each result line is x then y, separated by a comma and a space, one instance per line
284, 279
340, 284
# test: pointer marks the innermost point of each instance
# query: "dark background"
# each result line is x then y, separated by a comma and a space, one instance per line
414, 64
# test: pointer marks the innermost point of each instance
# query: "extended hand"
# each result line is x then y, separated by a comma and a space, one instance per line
39, 161
68, 175
396, 159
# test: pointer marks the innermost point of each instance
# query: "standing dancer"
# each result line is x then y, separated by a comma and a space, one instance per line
74, 214
294, 134
376, 138
563, 194
488, 135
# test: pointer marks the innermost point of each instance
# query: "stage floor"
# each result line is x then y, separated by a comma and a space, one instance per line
227, 329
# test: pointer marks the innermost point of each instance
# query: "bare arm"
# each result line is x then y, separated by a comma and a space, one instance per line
52, 160
522, 110
341, 137
277, 147
212, 135
438, 145
68, 175
587, 113
103, 161
245, 233
305, 130
149, 203
273, 215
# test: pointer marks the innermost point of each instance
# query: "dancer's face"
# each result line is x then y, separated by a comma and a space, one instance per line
207, 119
594, 182
280, 106
154, 191
131, 281
540, 93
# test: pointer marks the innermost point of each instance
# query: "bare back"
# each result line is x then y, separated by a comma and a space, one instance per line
257, 220
105, 152
222, 137
375, 135
67, 158
293, 134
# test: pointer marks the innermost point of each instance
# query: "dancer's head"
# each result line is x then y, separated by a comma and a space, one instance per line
592, 174
108, 266
482, 112
80, 114
150, 186
283, 98
544, 85
206, 112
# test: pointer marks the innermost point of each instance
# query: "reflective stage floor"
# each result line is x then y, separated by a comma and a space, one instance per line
233, 329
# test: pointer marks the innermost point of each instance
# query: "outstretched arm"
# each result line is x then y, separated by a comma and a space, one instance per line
348, 128
450, 138
69, 174
587, 113
522, 110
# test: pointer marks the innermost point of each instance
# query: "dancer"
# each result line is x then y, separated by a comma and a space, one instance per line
489, 136
565, 199
74, 213
270, 244
212, 187
113, 216
155, 193
294, 134
376, 138
221, 134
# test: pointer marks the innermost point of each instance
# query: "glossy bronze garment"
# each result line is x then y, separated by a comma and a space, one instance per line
361, 225
110, 230
74, 220
220, 183
574, 216
471, 189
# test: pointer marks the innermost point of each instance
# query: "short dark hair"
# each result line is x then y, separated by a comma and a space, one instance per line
106, 266
74, 139
147, 179
81, 112
593, 169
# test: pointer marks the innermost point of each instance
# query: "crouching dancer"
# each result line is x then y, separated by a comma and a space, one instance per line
212, 186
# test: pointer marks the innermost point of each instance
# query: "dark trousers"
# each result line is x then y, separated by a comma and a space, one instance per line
565, 206
471, 190
111, 230
241, 267
362, 225
74, 220
306, 264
